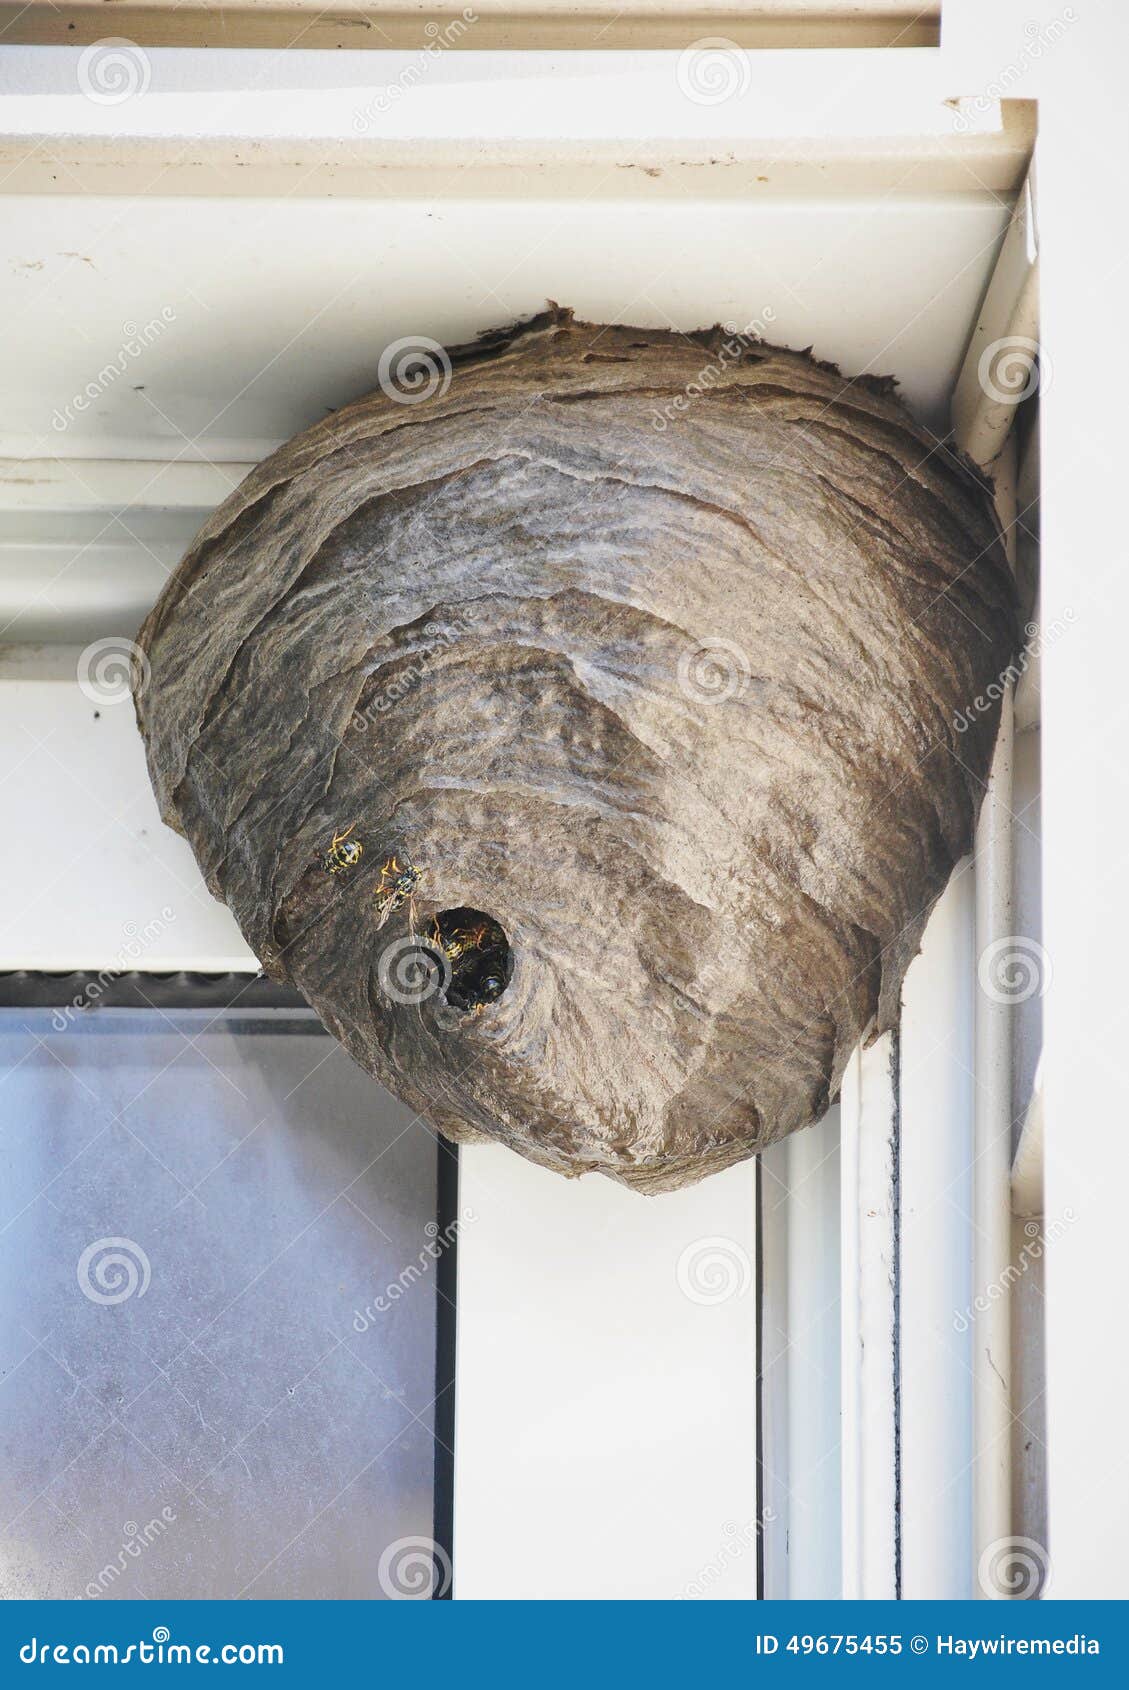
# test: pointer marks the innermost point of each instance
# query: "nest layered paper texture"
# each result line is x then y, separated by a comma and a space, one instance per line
648, 648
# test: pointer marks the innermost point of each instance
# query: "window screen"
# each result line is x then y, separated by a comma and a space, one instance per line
222, 1261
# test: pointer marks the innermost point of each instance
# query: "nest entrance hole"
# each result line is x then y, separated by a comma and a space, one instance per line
478, 956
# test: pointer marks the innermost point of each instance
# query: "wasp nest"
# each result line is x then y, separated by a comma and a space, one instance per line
575, 728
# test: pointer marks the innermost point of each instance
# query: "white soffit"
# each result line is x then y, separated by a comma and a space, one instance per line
264, 225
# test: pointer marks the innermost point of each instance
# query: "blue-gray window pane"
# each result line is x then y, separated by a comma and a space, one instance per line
218, 1362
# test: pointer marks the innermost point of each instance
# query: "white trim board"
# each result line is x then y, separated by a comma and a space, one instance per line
578, 25
868, 1253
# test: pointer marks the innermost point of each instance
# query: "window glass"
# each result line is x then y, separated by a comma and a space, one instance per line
219, 1290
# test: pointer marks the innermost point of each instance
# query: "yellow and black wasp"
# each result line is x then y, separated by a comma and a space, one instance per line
479, 954
398, 883
343, 853
458, 941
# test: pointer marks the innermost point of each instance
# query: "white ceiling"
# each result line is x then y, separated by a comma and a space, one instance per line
259, 314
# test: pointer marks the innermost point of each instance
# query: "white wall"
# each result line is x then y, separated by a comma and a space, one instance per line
91, 877
1086, 808
606, 1386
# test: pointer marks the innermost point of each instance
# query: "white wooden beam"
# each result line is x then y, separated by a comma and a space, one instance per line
996, 945
579, 24
114, 485
868, 1249
936, 1332
86, 544
1027, 1163
1001, 367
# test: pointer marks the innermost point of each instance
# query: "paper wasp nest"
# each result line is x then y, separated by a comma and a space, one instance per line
580, 738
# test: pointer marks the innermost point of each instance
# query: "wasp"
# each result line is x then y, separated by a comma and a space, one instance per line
343, 853
462, 940
480, 957
398, 882
484, 989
